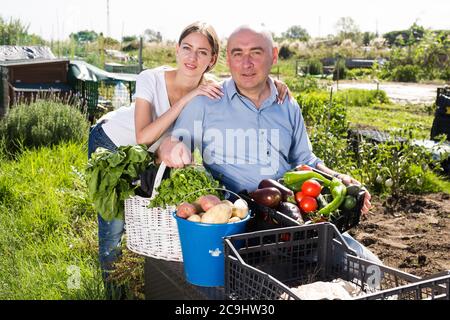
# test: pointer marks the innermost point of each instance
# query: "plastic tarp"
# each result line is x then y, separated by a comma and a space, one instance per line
438, 151
18, 53
86, 72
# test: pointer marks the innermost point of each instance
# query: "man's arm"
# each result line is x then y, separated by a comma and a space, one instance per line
301, 153
175, 151
348, 180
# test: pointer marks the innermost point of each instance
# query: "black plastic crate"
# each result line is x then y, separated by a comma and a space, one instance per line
266, 266
349, 218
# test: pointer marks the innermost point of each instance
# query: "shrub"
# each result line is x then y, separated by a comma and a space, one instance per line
319, 110
302, 84
445, 74
315, 66
42, 123
361, 97
396, 167
327, 126
340, 70
285, 52
331, 147
406, 73
358, 73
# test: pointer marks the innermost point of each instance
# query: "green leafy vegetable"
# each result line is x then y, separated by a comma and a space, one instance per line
185, 185
110, 176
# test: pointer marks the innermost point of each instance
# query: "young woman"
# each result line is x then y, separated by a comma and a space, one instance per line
161, 94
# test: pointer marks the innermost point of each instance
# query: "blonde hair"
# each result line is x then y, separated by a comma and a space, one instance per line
208, 31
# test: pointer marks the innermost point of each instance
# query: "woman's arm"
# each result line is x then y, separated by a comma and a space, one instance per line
283, 90
148, 132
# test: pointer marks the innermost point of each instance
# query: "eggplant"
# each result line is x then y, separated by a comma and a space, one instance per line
353, 190
291, 210
321, 201
269, 197
270, 183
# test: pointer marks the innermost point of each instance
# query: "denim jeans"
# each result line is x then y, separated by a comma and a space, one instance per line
109, 232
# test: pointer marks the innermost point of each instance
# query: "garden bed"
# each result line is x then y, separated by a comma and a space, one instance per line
412, 235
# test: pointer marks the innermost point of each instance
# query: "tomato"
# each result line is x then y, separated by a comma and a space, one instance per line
298, 197
308, 204
311, 188
304, 167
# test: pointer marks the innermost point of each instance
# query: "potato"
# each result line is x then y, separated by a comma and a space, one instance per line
195, 218
240, 209
227, 202
207, 202
218, 214
185, 210
234, 220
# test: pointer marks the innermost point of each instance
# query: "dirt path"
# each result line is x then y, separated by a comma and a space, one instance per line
414, 237
399, 92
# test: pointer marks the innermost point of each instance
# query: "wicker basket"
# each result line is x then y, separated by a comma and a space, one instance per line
152, 232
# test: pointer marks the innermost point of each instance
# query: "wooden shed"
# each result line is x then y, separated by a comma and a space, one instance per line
25, 74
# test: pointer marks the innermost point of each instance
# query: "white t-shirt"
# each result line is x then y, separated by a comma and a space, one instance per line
150, 86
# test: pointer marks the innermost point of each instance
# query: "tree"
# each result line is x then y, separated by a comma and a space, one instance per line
348, 29
296, 33
15, 32
129, 39
416, 34
84, 36
152, 36
368, 37
409, 37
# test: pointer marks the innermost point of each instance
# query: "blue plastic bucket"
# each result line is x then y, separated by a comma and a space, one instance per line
203, 250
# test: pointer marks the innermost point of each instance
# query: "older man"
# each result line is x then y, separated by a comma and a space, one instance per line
246, 136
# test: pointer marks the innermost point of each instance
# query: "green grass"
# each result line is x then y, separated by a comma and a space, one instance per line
47, 226
388, 117
441, 183
285, 68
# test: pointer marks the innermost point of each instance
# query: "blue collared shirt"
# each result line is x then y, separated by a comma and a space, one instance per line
242, 144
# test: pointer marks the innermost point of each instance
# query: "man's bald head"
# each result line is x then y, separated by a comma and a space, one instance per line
250, 57
264, 33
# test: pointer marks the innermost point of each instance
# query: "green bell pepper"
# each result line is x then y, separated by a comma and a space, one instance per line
296, 178
338, 191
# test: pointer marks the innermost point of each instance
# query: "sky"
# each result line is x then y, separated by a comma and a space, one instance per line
56, 19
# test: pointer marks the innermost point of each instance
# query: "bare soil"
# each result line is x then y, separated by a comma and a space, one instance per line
410, 233
399, 92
